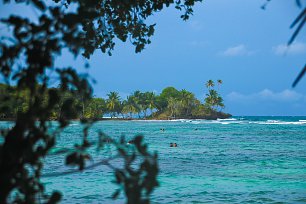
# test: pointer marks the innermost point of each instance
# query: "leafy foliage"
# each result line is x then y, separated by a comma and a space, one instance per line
171, 103
213, 99
298, 24
27, 57
15, 101
138, 183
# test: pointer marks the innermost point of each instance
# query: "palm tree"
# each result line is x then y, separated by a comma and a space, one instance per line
219, 103
137, 95
113, 102
129, 106
150, 101
211, 98
94, 108
174, 106
210, 84
187, 101
171, 105
214, 100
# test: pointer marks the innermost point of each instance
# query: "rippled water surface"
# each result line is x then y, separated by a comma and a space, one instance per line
240, 160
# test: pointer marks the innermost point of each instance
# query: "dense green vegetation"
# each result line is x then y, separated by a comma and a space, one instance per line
14, 101
28, 50
170, 104
27, 54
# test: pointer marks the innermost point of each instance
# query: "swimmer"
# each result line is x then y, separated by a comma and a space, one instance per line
131, 142
106, 140
171, 144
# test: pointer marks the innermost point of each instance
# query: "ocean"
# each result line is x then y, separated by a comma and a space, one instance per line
237, 160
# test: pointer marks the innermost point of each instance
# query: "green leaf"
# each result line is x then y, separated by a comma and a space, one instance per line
116, 194
39, 4
55, 197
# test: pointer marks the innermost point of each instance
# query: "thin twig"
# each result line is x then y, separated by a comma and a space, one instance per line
92, 166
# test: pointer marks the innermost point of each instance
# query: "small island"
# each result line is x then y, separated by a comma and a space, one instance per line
168, 105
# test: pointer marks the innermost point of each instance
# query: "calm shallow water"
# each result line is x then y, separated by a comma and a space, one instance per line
242, 160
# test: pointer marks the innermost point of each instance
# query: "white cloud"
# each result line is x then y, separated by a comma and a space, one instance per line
267, 95
239, 50
295, 48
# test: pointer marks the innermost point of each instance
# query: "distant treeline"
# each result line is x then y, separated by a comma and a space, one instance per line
170, 104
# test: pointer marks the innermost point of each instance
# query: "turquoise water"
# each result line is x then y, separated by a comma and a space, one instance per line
241, 160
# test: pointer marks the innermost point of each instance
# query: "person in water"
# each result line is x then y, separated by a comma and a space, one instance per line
131, 141
173, 144
106, 140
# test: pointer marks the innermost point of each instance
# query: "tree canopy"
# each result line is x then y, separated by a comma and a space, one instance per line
27, 56
170, 104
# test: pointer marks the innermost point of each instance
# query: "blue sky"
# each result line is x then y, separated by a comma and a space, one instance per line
235, 41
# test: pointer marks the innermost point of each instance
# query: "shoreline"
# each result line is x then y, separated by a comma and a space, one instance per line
128, 119
207, 117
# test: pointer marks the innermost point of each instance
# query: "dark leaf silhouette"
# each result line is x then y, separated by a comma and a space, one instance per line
300, 20
27, 56
299, 77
